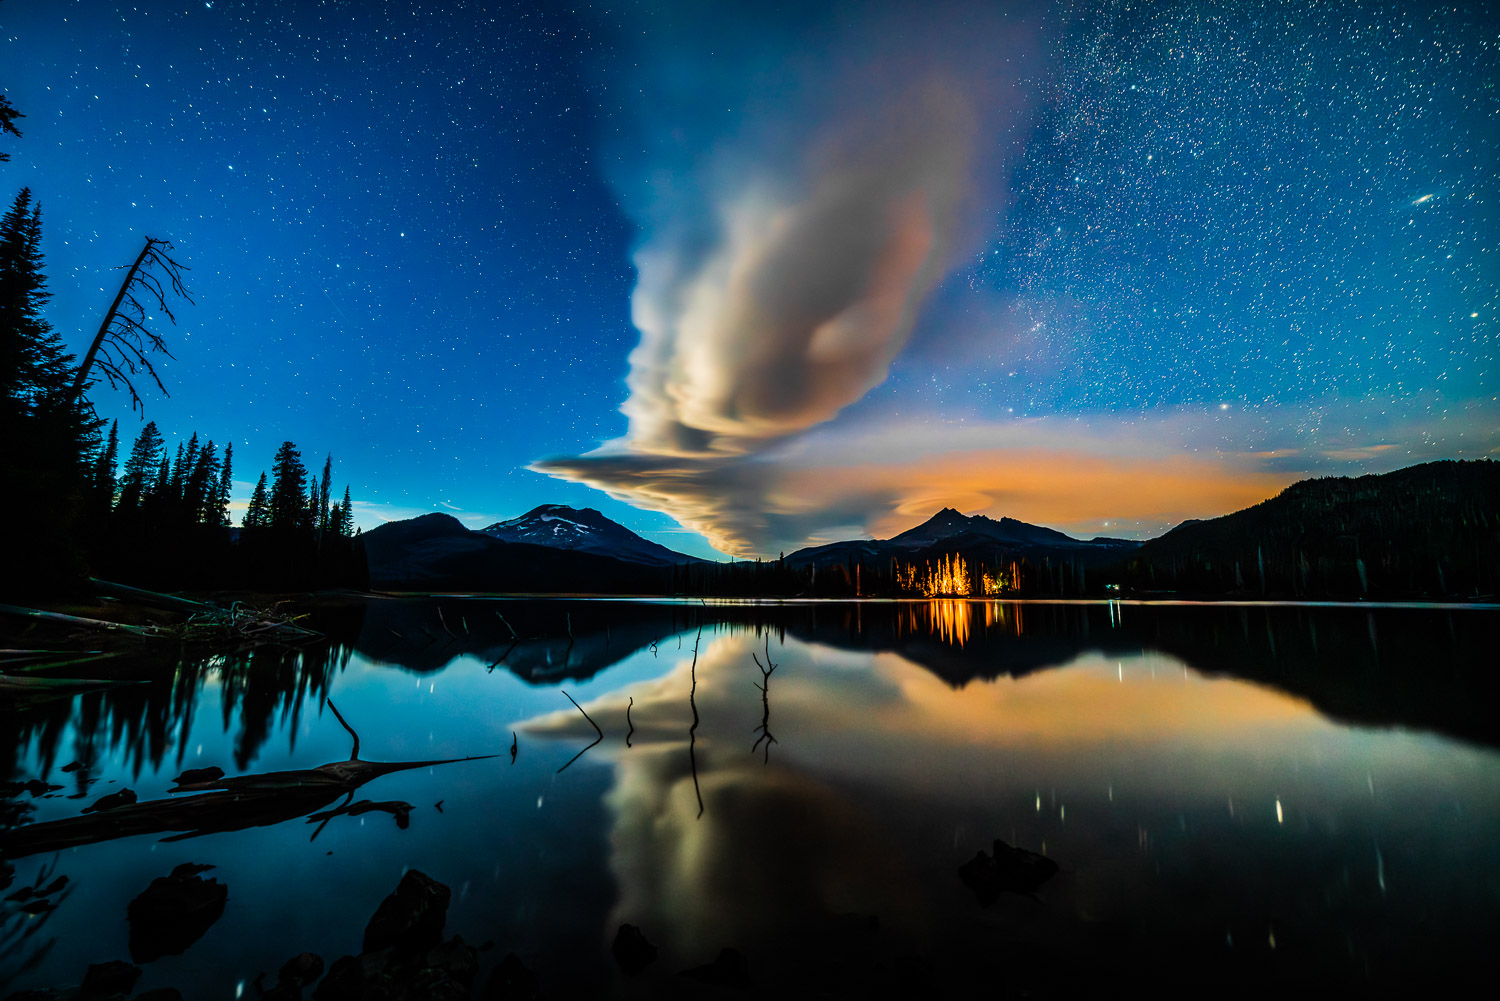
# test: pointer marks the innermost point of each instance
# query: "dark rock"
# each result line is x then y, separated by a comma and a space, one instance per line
345, 981
41, 994
174, 912
427, 984
631, 950
512, 980
193, 776
160, 994
190, 869
301, 970
115, 799
72, 766
728, 970
456, 960
1009, 869
410, 919
34, 786
111, 979
37, 906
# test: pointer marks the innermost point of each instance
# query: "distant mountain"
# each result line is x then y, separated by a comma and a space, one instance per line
948, 531
549, 549
584, 530
1429, 530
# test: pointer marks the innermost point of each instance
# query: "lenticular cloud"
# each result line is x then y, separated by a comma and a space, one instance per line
778, 291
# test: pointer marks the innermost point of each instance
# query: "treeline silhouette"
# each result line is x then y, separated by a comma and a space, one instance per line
1431, 530
71, 510
163, 520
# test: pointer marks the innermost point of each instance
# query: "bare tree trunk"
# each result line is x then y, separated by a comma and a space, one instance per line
88, 360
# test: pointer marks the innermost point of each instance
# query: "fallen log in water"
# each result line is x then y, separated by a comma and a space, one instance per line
231, 803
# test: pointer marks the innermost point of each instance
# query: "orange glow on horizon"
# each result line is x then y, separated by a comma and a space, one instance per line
1063, 490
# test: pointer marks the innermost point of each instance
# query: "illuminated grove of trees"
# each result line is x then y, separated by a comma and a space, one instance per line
952, 577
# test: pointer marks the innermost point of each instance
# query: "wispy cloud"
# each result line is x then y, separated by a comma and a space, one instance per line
1101, 475
781, 271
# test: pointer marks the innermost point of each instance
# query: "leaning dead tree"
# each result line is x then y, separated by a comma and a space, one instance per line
124, 342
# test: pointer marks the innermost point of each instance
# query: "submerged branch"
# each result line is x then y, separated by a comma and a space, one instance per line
765, 701
591, 723
693, 730
353, 754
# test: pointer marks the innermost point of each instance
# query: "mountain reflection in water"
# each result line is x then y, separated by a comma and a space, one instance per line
1192, 769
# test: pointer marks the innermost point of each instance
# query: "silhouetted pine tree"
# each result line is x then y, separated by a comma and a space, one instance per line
258, 514
46, 435
221, 497
105, 464
200, 487
137, 479
8, 116
324, 485
346, 519
288, 488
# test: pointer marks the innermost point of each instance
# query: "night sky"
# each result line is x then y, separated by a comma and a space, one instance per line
787, 274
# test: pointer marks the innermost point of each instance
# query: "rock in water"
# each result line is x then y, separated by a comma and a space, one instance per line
632, 951
301, 970
174, 912
193, 776
112, 979
412, 918
1014, 869
115, 799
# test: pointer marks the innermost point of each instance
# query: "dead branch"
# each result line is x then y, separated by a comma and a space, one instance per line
765, 701
693, 730
353, 754
122, 347
591, 723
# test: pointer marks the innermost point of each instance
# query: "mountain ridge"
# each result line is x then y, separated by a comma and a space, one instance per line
559, 526
950, 531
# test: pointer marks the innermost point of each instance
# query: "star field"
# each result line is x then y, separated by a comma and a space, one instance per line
1261, 232
1259, 205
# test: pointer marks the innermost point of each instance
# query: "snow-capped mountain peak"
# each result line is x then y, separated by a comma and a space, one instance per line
563, 527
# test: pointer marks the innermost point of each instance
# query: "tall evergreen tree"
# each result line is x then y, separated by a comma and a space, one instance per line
221, 501
309, 522
163, 480
140, 466
201, 487
104, 472
346, 516
325, 484
288, 488
174, 482
258, 514
8, 116
47, 436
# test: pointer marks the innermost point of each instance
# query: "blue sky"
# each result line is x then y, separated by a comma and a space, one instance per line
1096, 266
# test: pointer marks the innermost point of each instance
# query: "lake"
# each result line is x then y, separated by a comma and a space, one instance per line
1236, 795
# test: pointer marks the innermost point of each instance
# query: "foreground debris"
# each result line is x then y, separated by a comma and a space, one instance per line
125, 617
223, 804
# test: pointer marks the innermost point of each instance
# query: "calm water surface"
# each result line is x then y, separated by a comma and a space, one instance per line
1237, 795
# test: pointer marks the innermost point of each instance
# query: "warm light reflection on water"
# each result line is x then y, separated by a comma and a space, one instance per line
1178, 764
